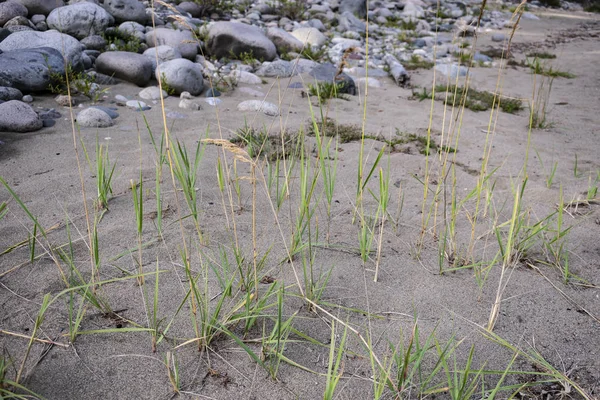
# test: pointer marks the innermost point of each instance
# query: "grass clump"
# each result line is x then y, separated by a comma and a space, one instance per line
290, 8
408, 25
73, 81
543, 55
259, 144
538, 68
327, 90
120, 40
416, 62
346, 133
477, 100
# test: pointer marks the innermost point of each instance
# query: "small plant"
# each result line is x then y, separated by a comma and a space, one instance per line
165, 85
259, 144
290, 8
76, 81
463, 58
335, 367
538, 107
424, 94
477, 100
120, 40
408, 25
541, 55
208, 7
327, 90
247, 57
538, 68
416, 62
312, 53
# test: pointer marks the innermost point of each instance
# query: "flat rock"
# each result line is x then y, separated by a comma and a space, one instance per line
130, 67
184, 41
277, 69
269, 109
16, 116
228, 38
126, 10
29, 70
181, 75
245, 77
80, 19
283, 40
64, 44
94, 118
152, 93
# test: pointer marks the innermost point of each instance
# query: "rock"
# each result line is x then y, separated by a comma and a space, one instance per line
138, 105
94, 118
27, 99
451, 71
152, 93
397, 70
29, 69
131, 67
37, 18
18, 21
212, 92
64, 100
80, 19
9, 93
228, 38
190, 7
111, 111
269, 109
121, 99
498, 37
245, 77
328, 72
190, 105
284, 41
48, 123
478, 57
162, 53
355, 7
11, 9
370, 82
59, 41
277, 69
213, 101
184, 41
94, 42
16, 116
4, 34
413, 11
181, 75
126, 10
43, 7
312, 36
251, 92
348, 22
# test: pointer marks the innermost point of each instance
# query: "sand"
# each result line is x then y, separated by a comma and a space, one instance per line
560, 321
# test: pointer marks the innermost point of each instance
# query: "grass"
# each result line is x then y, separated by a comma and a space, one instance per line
324, 91
416, 62
237, 275
538, 68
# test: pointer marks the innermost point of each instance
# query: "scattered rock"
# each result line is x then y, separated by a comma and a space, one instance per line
227, 38
131, 67
269, 109
94, 118
181, 75
16, 116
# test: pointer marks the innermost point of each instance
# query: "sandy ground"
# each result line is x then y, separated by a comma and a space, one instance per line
42, 168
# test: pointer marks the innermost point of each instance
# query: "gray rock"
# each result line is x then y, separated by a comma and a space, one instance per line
227, 38
10, 93
163, 53
64, 100
348, 22
413, 11
189, 105
498, 37
284, 41
48, 123
29, 69
190, 7
317, 24
56, 40
131, 67
328, 72
137, 105
181, 75
277, 69
212, 92
478, 57
94, 42
257, 106
451, 71
16, 116
245, 77
355, 7
11, 9
132, 28
152, 93
111, 111
184, 41
4, 34
126, 10
311, 36
37, 18
94, 118
27, 98
41, 6
80, 19
19, 21
397, 70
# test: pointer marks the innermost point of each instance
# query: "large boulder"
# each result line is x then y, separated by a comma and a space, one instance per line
181, 75
130, 67
184, 41
29, 70
16, 116
226, 39
126, 10
30, 39
41, 6
80, 19
11, 9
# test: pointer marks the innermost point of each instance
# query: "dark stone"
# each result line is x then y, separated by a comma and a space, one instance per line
327, 72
